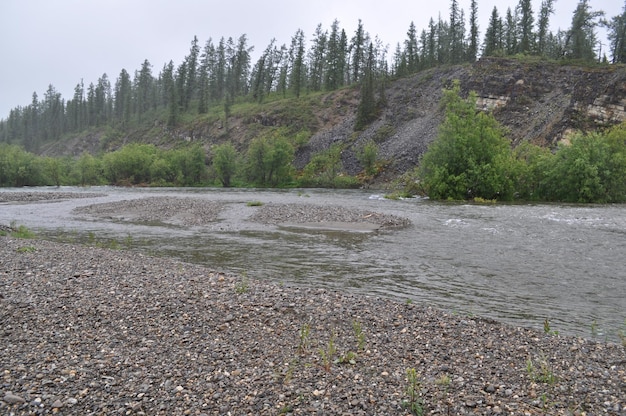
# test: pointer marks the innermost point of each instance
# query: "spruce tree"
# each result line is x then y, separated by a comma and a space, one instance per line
525, 27
547, 8
472, 48
316, 58
357, 46
493, 36
411, 49
366, 110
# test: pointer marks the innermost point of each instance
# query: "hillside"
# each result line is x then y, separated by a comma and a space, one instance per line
534, 100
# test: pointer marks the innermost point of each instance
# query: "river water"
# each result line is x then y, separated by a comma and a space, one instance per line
521, 264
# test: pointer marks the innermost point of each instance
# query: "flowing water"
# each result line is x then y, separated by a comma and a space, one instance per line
520, 264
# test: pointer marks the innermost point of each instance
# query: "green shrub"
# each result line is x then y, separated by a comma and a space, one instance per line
470, 157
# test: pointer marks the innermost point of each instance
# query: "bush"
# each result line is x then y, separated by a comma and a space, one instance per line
470, 157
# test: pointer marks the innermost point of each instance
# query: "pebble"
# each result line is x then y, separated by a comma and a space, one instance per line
11, 398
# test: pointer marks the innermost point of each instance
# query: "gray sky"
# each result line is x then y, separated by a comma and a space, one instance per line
60, 42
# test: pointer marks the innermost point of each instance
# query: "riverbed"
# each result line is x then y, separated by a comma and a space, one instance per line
521, 264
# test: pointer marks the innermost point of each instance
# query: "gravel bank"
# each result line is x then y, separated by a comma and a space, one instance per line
20, 196
88, 331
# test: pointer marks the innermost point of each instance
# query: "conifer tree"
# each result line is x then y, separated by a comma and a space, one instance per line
617, 37
336, 57
316, 59
190, 87
510, 33
456, 33
525, 27
357, 46
123, 97
493, 36
472, 48
547, 8
366, 110
581, 38
144, 81
206, 69
411, 49
297, 76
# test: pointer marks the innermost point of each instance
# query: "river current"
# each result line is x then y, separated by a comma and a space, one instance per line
517, 263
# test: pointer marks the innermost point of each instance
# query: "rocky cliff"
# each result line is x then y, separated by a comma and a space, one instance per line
537, 101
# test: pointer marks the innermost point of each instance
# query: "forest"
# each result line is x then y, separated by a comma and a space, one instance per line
217, 76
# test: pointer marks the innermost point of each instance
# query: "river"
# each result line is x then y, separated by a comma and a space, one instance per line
517, 263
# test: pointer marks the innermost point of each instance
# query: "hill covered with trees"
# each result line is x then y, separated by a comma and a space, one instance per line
336, 110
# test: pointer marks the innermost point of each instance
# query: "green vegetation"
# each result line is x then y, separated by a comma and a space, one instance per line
242, 286
328, 353
547, 329
21, 232
472, 159
26, 249
414, 403
541, 374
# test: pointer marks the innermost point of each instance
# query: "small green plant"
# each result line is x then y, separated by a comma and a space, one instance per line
254, 203
359, 334
444, 381
622, 334
21, 231
348, 358
128, 241
305, 333
541, 374
328, 354
26, 249
414, 403
547, 329
242, 286
291, 368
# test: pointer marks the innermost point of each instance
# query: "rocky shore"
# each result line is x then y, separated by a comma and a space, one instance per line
91, 331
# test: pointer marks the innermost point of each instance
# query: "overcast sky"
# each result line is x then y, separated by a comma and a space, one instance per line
60, 42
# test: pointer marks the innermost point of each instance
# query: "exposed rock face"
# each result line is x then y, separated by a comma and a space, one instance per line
538, 101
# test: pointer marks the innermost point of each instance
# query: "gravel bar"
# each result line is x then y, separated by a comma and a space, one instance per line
91, 331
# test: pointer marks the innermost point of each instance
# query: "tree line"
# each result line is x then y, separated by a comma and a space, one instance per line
267, 163
220, 73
